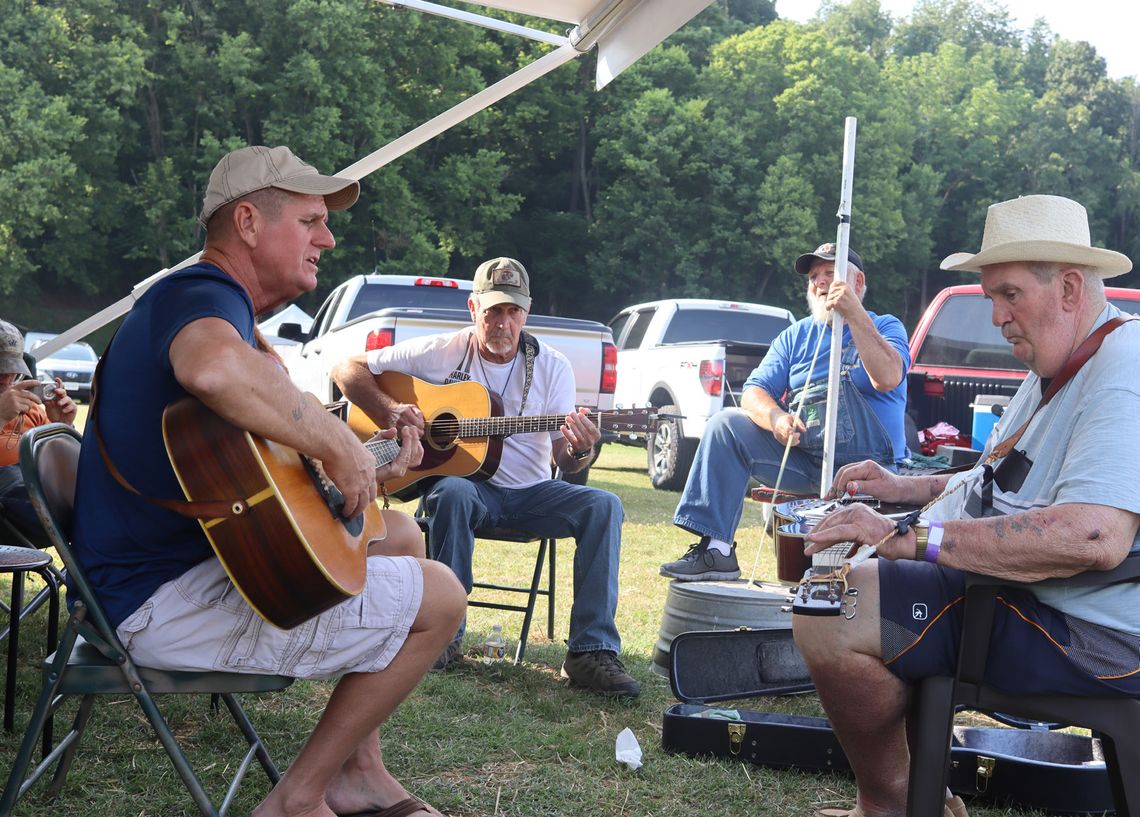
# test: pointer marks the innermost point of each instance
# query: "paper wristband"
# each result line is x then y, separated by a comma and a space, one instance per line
934, 542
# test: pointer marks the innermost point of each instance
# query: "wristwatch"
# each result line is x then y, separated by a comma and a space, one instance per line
927, 541
921, 537
578, 455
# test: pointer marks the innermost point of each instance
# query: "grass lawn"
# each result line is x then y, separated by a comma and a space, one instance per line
483, 740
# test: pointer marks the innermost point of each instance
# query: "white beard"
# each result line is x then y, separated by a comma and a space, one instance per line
818, 306
499, 345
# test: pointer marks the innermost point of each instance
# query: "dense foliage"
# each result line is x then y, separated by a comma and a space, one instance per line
701, 171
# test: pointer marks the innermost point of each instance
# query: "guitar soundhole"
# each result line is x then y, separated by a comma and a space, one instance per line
334, 499
442, 431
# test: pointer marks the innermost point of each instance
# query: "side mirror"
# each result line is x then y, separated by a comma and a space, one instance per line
291, 331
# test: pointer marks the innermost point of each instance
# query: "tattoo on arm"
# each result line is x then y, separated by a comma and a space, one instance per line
298, 411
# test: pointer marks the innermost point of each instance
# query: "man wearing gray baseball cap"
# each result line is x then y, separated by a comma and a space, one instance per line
24, 403
192, 334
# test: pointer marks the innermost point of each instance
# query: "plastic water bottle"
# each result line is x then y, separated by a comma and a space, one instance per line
496, 646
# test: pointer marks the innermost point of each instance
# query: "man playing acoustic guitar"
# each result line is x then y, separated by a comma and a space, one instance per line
192, 334
530, 379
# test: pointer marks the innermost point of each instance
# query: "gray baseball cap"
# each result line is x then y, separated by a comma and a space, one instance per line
12, 351
500, 281
247, 170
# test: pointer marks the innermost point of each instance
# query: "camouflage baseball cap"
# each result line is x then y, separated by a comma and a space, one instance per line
244, 171
500, 281
12, 351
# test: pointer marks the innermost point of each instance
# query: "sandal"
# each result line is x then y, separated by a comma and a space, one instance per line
407, 806
954, 807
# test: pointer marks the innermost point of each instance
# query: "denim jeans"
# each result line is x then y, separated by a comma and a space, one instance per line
734, 448
456, 507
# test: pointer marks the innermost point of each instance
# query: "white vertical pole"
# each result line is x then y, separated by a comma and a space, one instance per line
841, 241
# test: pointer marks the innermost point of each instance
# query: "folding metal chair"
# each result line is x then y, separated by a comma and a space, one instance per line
91, 661
545, 554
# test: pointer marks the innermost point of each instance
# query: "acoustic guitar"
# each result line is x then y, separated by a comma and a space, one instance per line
464, 428
291, 554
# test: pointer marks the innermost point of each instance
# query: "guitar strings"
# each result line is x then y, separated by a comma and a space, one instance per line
491, 426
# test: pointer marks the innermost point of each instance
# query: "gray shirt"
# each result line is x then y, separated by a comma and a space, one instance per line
1085, 448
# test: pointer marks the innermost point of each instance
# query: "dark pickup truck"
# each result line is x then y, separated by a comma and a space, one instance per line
958, 354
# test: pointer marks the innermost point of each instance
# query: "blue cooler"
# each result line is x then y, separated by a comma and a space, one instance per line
985, 418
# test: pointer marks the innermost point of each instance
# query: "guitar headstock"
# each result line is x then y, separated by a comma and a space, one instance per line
628, 421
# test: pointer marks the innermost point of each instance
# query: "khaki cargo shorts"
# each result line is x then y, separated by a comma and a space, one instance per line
199, 621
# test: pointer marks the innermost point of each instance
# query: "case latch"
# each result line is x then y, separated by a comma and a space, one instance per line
736, 737
984, 772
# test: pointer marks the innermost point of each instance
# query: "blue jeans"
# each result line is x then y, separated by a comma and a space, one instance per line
457, 506
734, 448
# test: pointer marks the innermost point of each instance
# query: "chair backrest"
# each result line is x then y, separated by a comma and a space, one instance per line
49, 460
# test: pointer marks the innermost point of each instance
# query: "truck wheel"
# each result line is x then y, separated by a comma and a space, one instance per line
580, 477
670, 455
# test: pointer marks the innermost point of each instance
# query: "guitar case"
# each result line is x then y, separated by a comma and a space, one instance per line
1029, 768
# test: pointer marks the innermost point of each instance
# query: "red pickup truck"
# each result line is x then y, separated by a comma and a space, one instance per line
957, 354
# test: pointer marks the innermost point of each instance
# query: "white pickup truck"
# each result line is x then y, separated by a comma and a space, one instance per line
688, 357
374, 311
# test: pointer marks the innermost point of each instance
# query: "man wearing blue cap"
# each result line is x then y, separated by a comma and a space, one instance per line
750, 441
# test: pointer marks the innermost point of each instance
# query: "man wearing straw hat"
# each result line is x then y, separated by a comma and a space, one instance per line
1049, 508
751, 441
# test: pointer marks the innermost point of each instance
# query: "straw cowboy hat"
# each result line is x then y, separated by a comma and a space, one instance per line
1039, 228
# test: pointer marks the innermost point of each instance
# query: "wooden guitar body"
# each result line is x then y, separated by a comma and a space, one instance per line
291, 556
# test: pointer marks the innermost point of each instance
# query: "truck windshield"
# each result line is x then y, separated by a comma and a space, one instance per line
382, 296
964, 335
695, 325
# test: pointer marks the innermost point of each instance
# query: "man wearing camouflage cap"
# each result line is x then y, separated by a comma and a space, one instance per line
531, 379
750, 441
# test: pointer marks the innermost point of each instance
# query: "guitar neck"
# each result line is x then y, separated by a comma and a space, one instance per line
383, 451
505, 426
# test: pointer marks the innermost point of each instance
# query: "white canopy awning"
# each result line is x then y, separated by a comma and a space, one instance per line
623, 30
290, 314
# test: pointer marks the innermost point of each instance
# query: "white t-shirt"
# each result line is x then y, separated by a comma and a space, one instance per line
443, 358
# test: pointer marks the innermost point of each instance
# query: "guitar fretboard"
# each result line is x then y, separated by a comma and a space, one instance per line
383, 451
505, 426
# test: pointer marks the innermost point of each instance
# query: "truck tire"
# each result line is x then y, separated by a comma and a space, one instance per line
669, 455
580, 477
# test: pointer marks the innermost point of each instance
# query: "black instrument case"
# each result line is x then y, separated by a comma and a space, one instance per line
1032, 768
